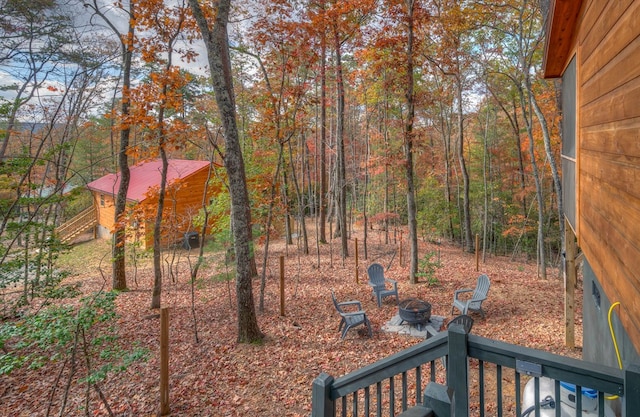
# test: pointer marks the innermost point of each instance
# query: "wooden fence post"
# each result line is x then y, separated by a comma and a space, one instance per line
400, 258
164, 362
357, 278
477, 252
282, 286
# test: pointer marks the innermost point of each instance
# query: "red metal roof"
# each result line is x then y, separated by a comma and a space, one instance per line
146, 175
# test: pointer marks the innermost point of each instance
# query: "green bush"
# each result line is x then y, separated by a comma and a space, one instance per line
427, 267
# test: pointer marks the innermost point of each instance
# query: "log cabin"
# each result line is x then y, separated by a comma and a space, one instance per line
186, 183
594, 47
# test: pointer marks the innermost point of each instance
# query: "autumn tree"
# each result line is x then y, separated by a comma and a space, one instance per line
127, 41
518, 32
160, 97
346, 20
278, 49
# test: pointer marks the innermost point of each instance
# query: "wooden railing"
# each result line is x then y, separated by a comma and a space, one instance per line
484, 377
77, 225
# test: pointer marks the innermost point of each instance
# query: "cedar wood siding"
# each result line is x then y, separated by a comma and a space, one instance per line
604, 37
106, 212
182, 201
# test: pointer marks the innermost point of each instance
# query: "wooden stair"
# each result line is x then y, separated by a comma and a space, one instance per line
77, 225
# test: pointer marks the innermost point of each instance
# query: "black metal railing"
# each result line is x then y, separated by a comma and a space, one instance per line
485, 378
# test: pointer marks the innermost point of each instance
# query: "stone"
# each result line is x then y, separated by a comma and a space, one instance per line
430, 328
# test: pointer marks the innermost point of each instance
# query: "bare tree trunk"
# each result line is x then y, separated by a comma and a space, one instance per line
157, 227
468, 236
445, 132
323, 141
515, 127
365, 192
263, 280
217, 44
385, 200
287, 206
219, 61
300, 199
542, 263
485, 183
408, 146
341, 188
119, 277
557, 183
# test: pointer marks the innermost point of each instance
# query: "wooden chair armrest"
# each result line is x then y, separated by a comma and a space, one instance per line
351, 303
354, 313
461, 291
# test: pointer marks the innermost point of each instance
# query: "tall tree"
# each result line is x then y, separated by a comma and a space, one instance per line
127, 40
217, 45
340, 186
408, 145
163, 25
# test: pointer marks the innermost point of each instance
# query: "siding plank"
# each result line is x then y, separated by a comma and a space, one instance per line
602, 29
618, 175
622, 138
622, 103
615, 73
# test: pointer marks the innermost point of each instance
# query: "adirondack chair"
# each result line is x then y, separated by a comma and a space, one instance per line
378, 283
467, 324
350, 319
475, 302
464, 320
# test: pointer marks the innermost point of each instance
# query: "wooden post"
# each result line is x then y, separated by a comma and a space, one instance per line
570, 279
322, 405
282, 286
357, 280
400, 260
458, 369
164, 362
477, 252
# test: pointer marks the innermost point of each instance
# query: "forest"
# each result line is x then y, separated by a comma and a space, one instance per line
424, 120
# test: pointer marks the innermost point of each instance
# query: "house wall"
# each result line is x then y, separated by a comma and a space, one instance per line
597, 344
105, 211
182, 202
607, 50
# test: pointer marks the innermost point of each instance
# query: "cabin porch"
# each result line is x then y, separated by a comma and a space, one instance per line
483, 377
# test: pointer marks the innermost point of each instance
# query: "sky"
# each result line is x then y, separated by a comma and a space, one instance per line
91, 28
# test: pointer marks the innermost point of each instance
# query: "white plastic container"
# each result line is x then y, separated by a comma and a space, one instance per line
567, 400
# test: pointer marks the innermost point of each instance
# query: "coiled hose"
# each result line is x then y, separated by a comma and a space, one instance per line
548, 401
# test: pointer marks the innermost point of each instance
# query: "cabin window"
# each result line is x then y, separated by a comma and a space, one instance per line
569, 141
102, 200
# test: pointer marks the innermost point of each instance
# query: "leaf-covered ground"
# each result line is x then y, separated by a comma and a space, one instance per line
218, 377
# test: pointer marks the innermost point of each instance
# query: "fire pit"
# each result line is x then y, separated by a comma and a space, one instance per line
414, 311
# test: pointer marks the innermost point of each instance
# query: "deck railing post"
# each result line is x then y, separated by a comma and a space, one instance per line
438, 398
631, 390
458, 370
321, 403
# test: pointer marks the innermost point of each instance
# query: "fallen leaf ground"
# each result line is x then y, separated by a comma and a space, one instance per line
218, 377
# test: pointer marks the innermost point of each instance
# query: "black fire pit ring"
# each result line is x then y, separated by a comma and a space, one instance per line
414, 311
